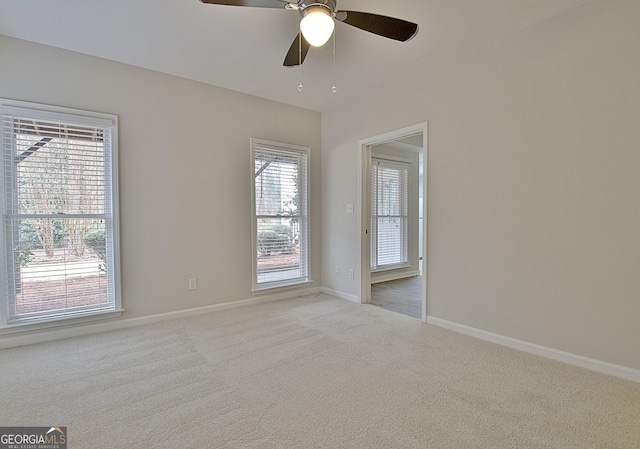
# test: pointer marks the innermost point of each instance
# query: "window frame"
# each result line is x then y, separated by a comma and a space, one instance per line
76, 117
400, 166
303, 186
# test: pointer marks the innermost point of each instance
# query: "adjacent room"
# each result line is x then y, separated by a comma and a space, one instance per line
422, 232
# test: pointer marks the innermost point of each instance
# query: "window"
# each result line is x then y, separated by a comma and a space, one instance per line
59, 227
389, 214
280, 219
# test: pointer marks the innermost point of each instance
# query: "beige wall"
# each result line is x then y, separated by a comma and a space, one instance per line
185, 169
534, 181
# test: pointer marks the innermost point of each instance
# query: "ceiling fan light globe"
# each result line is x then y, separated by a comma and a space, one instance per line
317, 25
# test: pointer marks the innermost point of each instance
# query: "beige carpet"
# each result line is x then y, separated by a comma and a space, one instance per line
310, 373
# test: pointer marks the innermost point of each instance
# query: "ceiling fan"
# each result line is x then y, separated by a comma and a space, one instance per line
318, 19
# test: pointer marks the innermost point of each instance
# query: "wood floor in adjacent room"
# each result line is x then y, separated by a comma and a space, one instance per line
401, 296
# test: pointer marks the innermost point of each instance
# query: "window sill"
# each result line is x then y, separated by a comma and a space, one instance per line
29, 326
392, 267
279, 286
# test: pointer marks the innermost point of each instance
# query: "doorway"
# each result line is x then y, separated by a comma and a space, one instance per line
398, 279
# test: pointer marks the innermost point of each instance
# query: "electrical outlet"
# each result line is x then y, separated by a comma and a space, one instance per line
337, 271
193, 284
350, 273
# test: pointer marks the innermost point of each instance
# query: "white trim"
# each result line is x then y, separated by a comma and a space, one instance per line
59, 113
115, 211
364, 168
543, 351
58, 333
110, 216
389, 275
304, 215
341, 295
29, 325
391, 158
273, 287
363, 246
402, 174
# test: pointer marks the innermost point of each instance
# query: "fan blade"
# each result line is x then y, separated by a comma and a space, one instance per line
385, 26
296, 54
252, 3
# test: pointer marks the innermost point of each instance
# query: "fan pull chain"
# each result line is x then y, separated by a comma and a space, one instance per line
334, 89
300, 86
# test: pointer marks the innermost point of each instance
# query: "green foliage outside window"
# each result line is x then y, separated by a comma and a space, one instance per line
97, 243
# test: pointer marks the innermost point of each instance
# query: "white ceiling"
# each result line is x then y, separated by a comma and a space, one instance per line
243, 48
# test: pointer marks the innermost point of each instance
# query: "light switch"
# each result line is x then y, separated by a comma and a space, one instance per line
350, 208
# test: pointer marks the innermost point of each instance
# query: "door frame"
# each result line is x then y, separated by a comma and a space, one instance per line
364, 197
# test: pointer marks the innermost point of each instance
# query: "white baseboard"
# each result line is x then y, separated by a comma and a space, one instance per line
58, 333
341, 295
94, 327
543, 351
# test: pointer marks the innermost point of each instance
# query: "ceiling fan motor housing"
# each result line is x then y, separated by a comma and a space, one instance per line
305, 6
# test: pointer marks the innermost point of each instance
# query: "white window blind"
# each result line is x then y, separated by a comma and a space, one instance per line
58, 215
280, 217
389, 214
